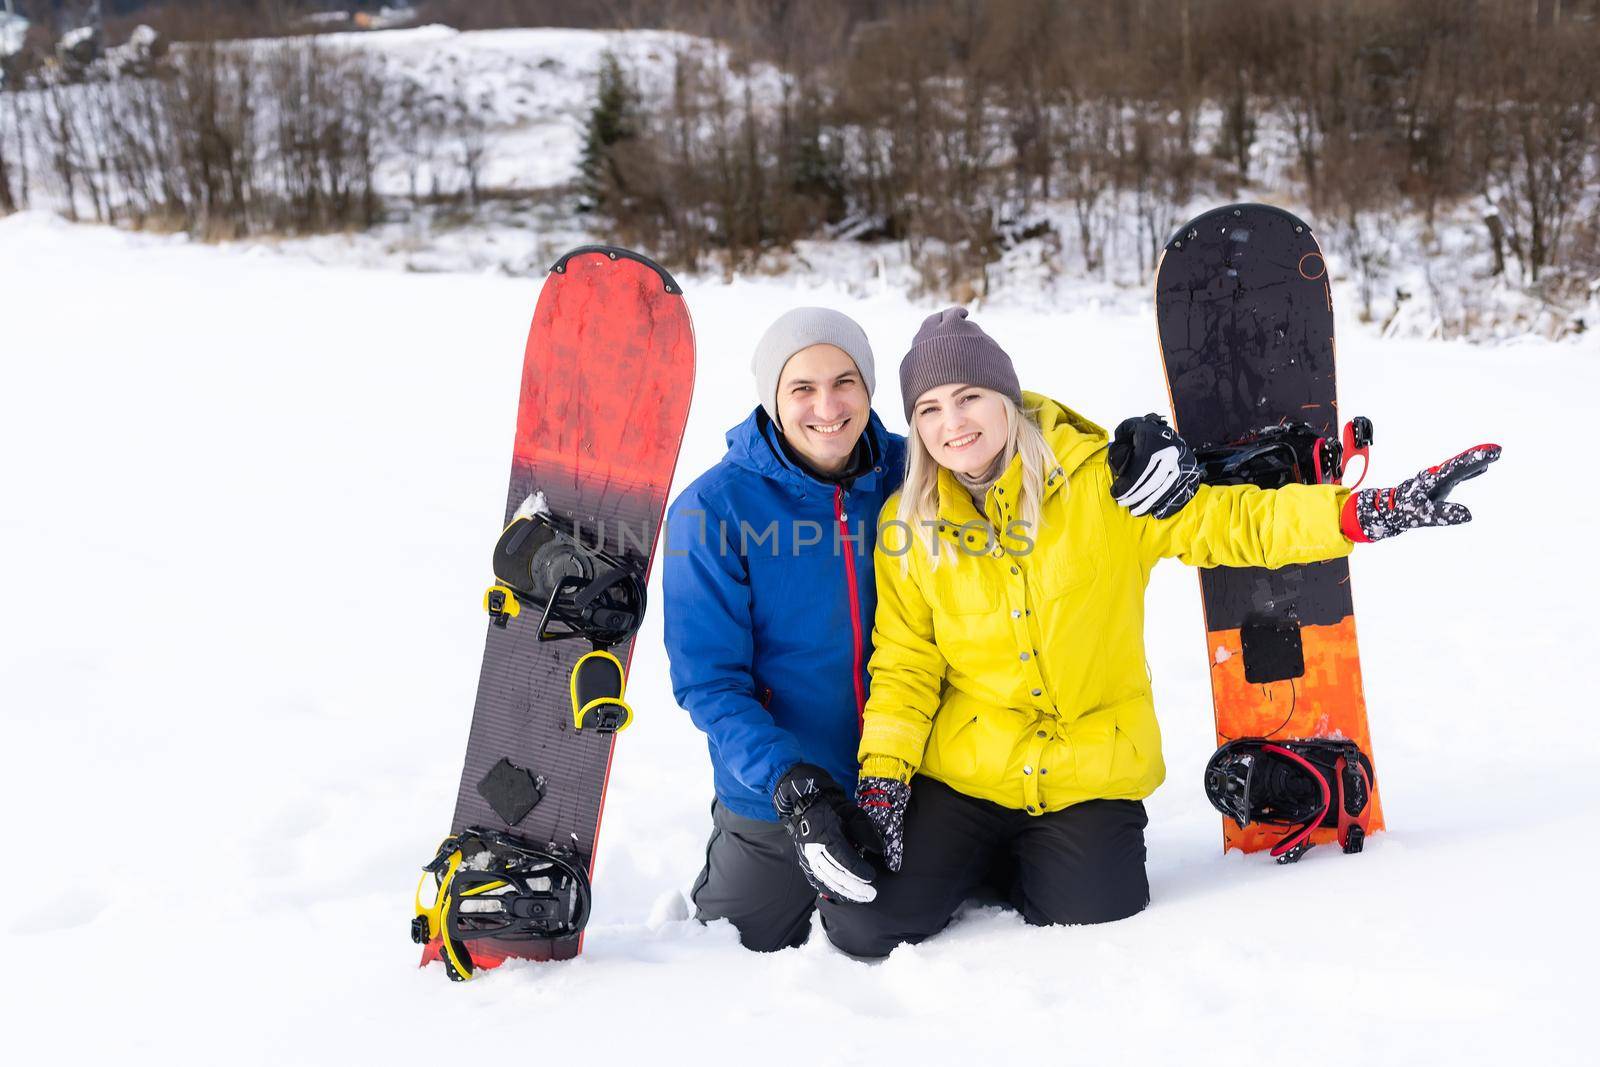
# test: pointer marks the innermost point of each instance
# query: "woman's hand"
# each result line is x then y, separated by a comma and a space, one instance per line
1373, 514
1154, 470
884, 800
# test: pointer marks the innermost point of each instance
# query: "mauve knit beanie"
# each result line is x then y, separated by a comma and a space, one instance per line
950, 348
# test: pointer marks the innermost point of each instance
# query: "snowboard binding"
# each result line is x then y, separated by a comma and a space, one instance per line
1286, 454
1301, 784
487, 884
583, 591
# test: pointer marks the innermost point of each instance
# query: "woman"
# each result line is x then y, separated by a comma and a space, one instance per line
1010, 709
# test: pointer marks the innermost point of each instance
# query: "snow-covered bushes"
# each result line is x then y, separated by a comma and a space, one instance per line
972, 147
231, 140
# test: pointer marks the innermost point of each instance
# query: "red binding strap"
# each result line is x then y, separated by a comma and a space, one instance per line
1304, 833
1351, 451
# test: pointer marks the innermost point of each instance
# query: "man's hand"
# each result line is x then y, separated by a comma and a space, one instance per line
831, 835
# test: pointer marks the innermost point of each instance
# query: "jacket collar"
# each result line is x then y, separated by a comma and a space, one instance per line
1070, 436
753, 445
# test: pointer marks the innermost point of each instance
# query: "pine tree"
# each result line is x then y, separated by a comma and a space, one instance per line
612, 121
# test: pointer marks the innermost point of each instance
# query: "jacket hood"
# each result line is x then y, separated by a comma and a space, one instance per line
753, 446
1072, 437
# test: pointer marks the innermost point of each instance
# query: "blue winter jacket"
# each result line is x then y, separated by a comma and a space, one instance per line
768, 602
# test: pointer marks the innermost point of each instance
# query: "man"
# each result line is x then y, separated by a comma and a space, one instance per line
769, 601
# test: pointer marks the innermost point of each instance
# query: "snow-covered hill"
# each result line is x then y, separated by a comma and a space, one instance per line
532, 88
505, 112
248, 507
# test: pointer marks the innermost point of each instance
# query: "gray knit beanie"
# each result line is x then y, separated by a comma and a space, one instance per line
802, 328
948, 349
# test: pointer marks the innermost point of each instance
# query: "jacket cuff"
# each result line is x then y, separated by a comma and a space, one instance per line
782, 768
887, 735
891, 767
1350, 522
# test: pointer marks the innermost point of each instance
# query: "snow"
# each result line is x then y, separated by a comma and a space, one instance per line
249, 505
72, 38
533, 504
532, 88
13, 28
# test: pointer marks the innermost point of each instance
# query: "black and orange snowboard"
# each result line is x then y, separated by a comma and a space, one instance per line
1246, 326
608, 371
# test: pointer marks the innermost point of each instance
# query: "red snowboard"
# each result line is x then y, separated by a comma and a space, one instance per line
607, 376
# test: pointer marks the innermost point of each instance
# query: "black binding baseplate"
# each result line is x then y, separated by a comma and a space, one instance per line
581, 591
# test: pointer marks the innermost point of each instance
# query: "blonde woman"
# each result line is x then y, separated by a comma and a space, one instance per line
1010, 714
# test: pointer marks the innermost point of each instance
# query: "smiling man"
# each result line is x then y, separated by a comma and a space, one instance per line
769, 600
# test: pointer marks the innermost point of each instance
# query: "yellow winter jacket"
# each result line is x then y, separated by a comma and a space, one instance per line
1019, 676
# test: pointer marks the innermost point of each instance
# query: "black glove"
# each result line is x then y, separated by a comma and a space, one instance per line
1373, 514
831, 835
884, 800
1154, 470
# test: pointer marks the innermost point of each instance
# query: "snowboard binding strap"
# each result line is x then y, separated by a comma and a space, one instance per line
1357, 442
597, 702
1294, 844
487, 884
1302, 784
584, 592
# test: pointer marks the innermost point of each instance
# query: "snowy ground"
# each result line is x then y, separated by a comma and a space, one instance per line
248, 506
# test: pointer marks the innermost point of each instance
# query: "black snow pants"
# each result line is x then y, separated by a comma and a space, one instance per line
1082, 864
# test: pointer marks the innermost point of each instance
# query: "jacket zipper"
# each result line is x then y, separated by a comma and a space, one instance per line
855, 603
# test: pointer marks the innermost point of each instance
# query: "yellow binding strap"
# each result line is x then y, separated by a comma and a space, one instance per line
500, 602
599, 704
457, 961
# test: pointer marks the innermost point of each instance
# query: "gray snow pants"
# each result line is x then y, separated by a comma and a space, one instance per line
752, 878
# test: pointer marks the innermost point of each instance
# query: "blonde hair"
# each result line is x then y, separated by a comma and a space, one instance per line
919, 493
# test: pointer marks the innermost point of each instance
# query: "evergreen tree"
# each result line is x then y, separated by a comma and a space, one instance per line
612, 121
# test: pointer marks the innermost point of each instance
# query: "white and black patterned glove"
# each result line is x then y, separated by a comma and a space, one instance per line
831, 835
884, 800
1373, 514
1154, 470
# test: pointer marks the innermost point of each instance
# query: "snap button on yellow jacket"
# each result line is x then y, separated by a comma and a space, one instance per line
1018, 675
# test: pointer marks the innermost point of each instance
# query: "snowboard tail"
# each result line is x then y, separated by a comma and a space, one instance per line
1246, 326
1324, 700
608, 371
